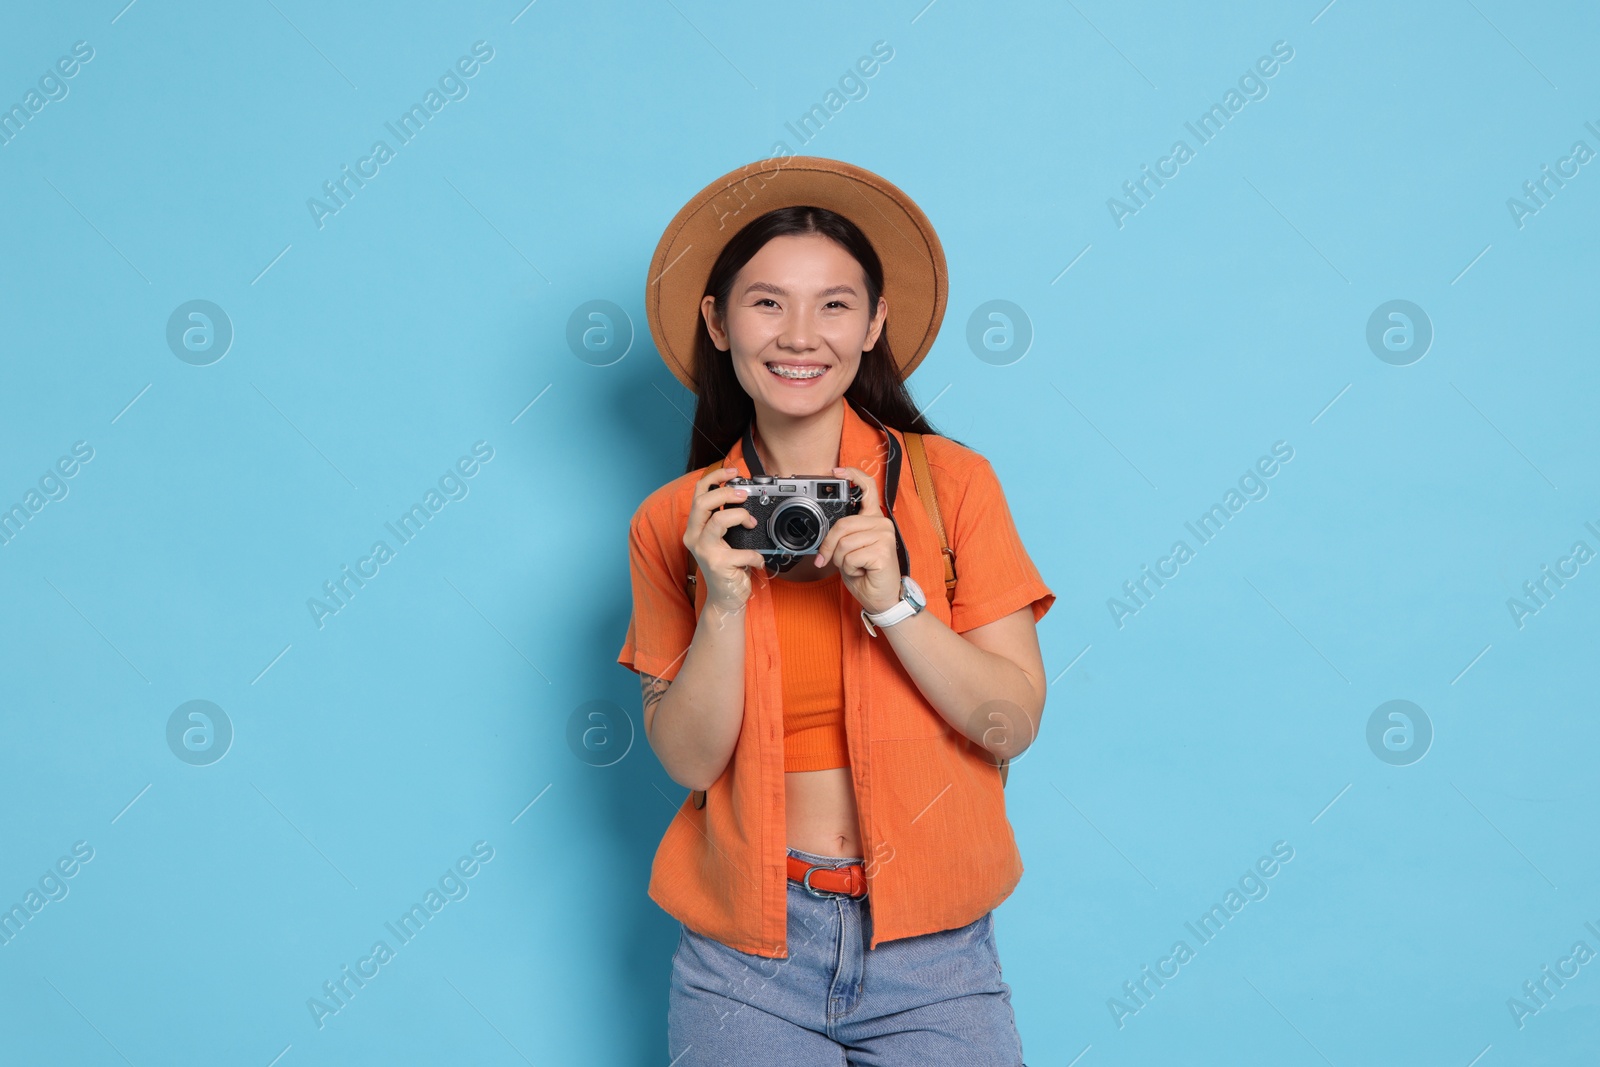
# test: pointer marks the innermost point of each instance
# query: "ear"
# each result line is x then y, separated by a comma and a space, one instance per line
879, 321
714, 326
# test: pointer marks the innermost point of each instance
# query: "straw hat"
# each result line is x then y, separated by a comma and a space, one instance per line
914, 277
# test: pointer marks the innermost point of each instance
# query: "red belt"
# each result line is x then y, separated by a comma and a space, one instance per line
850, 880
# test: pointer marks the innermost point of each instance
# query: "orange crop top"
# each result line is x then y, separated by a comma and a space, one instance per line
813, 676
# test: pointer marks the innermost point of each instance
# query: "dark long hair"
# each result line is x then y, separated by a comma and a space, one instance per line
722, 408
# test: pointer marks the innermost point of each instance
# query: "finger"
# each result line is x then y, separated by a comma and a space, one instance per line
860, 560
728, 518
869, 488
710, 502
826, 546
851, 543
711, 486
713, 533
712, 499
702, 486
846, 526
710, 478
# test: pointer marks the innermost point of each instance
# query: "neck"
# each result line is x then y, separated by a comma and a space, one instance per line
800, 445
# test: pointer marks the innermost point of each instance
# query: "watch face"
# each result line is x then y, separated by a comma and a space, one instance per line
913, 591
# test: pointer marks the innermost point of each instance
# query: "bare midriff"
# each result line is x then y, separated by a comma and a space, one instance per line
820, 806
821, 812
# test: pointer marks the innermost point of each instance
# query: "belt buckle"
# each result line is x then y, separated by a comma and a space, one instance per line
824, 894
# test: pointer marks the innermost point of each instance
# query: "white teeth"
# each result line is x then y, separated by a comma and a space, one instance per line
787, 372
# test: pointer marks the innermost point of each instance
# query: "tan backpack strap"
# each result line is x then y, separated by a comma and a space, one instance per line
923, 478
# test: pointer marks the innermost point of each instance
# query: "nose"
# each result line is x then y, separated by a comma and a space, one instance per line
796, 333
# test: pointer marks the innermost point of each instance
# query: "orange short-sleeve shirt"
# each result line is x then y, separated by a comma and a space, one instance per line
938, 847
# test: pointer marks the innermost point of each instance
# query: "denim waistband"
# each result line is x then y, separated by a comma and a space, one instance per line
819, 860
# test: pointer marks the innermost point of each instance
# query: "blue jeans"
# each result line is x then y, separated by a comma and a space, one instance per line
933, 999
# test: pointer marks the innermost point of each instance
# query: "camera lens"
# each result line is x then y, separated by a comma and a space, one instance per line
797, 528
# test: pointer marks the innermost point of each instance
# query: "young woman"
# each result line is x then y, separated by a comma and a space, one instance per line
835, 866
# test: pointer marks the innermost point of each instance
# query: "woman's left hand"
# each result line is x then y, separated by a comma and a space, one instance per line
863, 547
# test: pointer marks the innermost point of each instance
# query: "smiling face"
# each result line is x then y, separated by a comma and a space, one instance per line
797, 323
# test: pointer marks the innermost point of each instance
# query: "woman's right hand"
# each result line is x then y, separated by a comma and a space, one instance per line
724, 569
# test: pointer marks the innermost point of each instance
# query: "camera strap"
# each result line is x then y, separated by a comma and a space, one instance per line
892, 482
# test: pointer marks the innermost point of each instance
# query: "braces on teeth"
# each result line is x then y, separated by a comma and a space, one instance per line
786, 373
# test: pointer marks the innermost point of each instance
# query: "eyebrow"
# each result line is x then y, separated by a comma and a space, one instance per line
767, 287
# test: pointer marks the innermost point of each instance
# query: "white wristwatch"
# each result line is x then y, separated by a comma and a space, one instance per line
911, 601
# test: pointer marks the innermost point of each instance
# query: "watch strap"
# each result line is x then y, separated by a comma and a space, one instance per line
900, 610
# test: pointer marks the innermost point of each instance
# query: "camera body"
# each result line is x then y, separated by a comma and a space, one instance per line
793, 515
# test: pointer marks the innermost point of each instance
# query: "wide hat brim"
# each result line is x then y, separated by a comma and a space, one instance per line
915, 282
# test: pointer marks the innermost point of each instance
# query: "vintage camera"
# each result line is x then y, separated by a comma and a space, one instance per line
793, 515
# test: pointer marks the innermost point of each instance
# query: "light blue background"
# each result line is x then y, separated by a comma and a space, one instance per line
1228, 314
